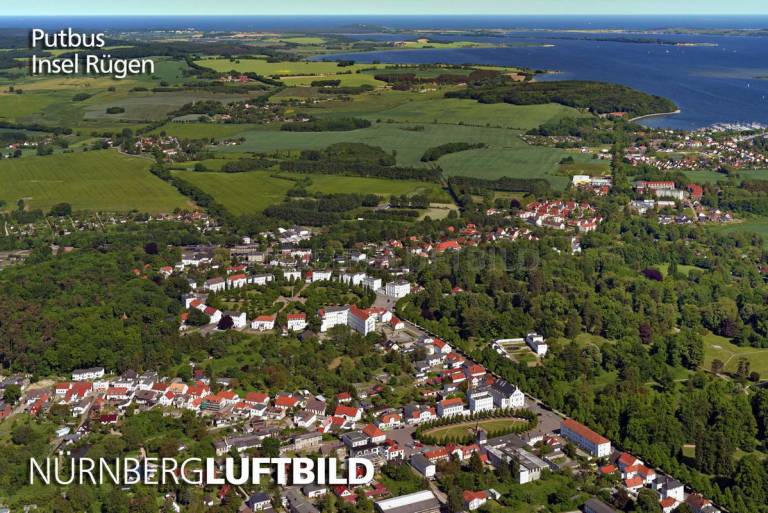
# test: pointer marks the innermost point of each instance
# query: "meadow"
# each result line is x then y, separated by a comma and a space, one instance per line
468, 112
250, 192
757, 225
203, 130
96, 180
506, 154
281, 68
460, 430
716, 347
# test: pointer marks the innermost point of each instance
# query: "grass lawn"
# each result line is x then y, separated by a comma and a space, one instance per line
518, 161
757, 224
15, 106
362, 185
254, 191
240, 193
681, 268
705, 177
96, 180
716, 347
490, 425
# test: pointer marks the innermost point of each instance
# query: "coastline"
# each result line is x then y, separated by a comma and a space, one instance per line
656, 115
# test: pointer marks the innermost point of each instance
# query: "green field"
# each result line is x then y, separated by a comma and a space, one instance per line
147, 106
716, 347
506, 154
98, 180
459, 430
469, 112
14, 107
282, 68
758, 225
203, 130
254, 191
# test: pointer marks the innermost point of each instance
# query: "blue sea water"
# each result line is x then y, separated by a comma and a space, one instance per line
726, 83
711, 84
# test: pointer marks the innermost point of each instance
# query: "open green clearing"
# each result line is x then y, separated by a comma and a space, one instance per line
144, 106
506, 154
757, 224
281, 68
254, 191
96, 180
469, 112
716, 347
203, 130
460, 430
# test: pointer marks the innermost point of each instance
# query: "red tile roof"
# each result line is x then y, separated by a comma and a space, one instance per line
584, 432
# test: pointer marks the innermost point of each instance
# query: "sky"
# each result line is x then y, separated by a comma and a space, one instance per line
371, 7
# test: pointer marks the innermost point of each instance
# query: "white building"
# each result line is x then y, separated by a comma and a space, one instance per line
361, 320
297, 322
480, 401
537, 344
239, 319
450, 407
353, 278
237, 281
333, 316
292, 275
88, 374
507, 395
398, 289
596, 445
215, 284
423, 465
372, 283
315, 276
260, 279
263, 323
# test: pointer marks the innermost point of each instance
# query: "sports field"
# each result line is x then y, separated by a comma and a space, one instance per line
254, 191
95, 180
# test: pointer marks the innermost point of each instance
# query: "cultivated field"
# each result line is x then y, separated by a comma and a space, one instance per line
282, 68
97, 180
469, 112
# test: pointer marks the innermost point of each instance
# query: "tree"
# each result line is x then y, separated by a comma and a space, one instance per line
742, 369
225, 323
751, 477
12, 394
270, 447
717, 366
150, 248
61, 210
647, 501
197, 318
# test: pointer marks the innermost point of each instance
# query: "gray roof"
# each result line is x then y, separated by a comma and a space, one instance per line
597, 506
